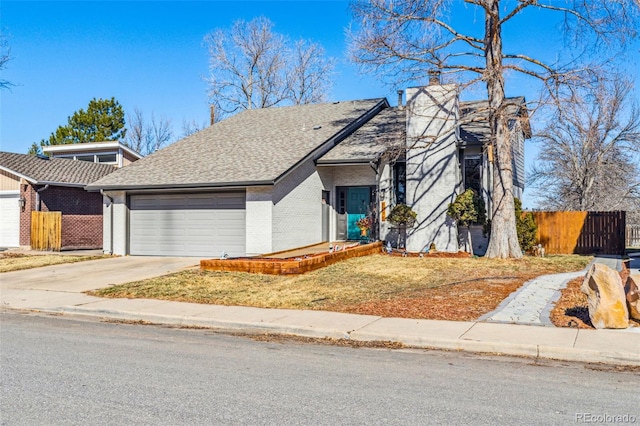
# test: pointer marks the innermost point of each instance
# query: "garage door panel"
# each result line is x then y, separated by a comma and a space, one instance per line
201, 203
9, 220
203, 224
229, 202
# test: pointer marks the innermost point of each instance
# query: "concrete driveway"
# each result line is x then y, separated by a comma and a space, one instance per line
93, 274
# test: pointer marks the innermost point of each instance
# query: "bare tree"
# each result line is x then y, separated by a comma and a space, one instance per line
253, 67
403, 39
4, 58
308, 73
146, 138
590, 150
189, 127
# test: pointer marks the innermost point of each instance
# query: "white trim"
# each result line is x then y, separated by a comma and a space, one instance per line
10, 192
88, 146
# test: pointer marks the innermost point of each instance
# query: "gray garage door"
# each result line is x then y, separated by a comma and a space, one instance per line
202, 224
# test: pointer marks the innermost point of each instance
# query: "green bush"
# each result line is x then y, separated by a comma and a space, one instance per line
401, 214
525, 226
468, 208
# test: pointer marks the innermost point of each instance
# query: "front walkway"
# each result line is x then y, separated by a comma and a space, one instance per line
533, 302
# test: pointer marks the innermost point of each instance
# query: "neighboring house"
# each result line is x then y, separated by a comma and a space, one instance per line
273, 179
110, 152
39, 183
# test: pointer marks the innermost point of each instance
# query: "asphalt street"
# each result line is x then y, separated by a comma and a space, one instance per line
60, 370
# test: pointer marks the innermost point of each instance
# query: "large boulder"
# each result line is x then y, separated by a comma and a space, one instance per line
606, 298
632, 291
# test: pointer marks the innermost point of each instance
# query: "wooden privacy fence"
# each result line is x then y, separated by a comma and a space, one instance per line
581, 232
46, 230
633, 236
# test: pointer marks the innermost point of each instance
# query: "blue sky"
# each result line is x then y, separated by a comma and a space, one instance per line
149, 55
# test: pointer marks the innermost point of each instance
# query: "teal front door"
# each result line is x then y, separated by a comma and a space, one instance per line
358, 200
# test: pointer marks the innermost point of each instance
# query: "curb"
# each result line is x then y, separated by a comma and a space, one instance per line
420, 342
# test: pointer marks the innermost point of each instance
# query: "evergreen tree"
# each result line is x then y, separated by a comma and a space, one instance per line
102, 121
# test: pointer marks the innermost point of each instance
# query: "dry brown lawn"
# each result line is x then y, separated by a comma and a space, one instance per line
429, 288
16, 261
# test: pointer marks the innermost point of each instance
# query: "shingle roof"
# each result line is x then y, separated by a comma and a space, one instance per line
383, 132
387, 130
53, 170
474, 126
255, 146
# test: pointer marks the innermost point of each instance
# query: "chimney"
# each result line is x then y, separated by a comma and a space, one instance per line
400, 106
432, 164
434, 77
212, 114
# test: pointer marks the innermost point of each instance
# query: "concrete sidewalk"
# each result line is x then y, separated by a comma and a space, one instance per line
532, 303
60, 296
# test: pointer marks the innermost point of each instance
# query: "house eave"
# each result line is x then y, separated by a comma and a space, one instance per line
67, 184
359, 162
20, 175
186, 186
42, 182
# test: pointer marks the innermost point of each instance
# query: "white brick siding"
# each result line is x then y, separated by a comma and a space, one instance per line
297, 211
388, 198
356, 175
119, 232
259, 220
433, 171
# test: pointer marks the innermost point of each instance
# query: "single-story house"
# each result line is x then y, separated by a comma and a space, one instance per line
56, 183
268, 180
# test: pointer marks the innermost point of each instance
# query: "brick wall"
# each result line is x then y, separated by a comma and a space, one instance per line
297, 211
73, 201
81, 215
433, 171
29, 194
81, 231
259, 221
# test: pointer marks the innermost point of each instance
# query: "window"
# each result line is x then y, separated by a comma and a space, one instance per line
400, 182
341, 198
473, 173
88, 158
106, 158
326, 197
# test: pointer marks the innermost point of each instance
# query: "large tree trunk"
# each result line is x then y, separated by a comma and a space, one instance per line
503, 241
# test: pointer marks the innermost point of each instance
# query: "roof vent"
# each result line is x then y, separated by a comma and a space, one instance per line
317, 127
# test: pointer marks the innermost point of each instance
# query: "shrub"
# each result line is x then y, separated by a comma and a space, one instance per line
401, 214
525, 226
468, 208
